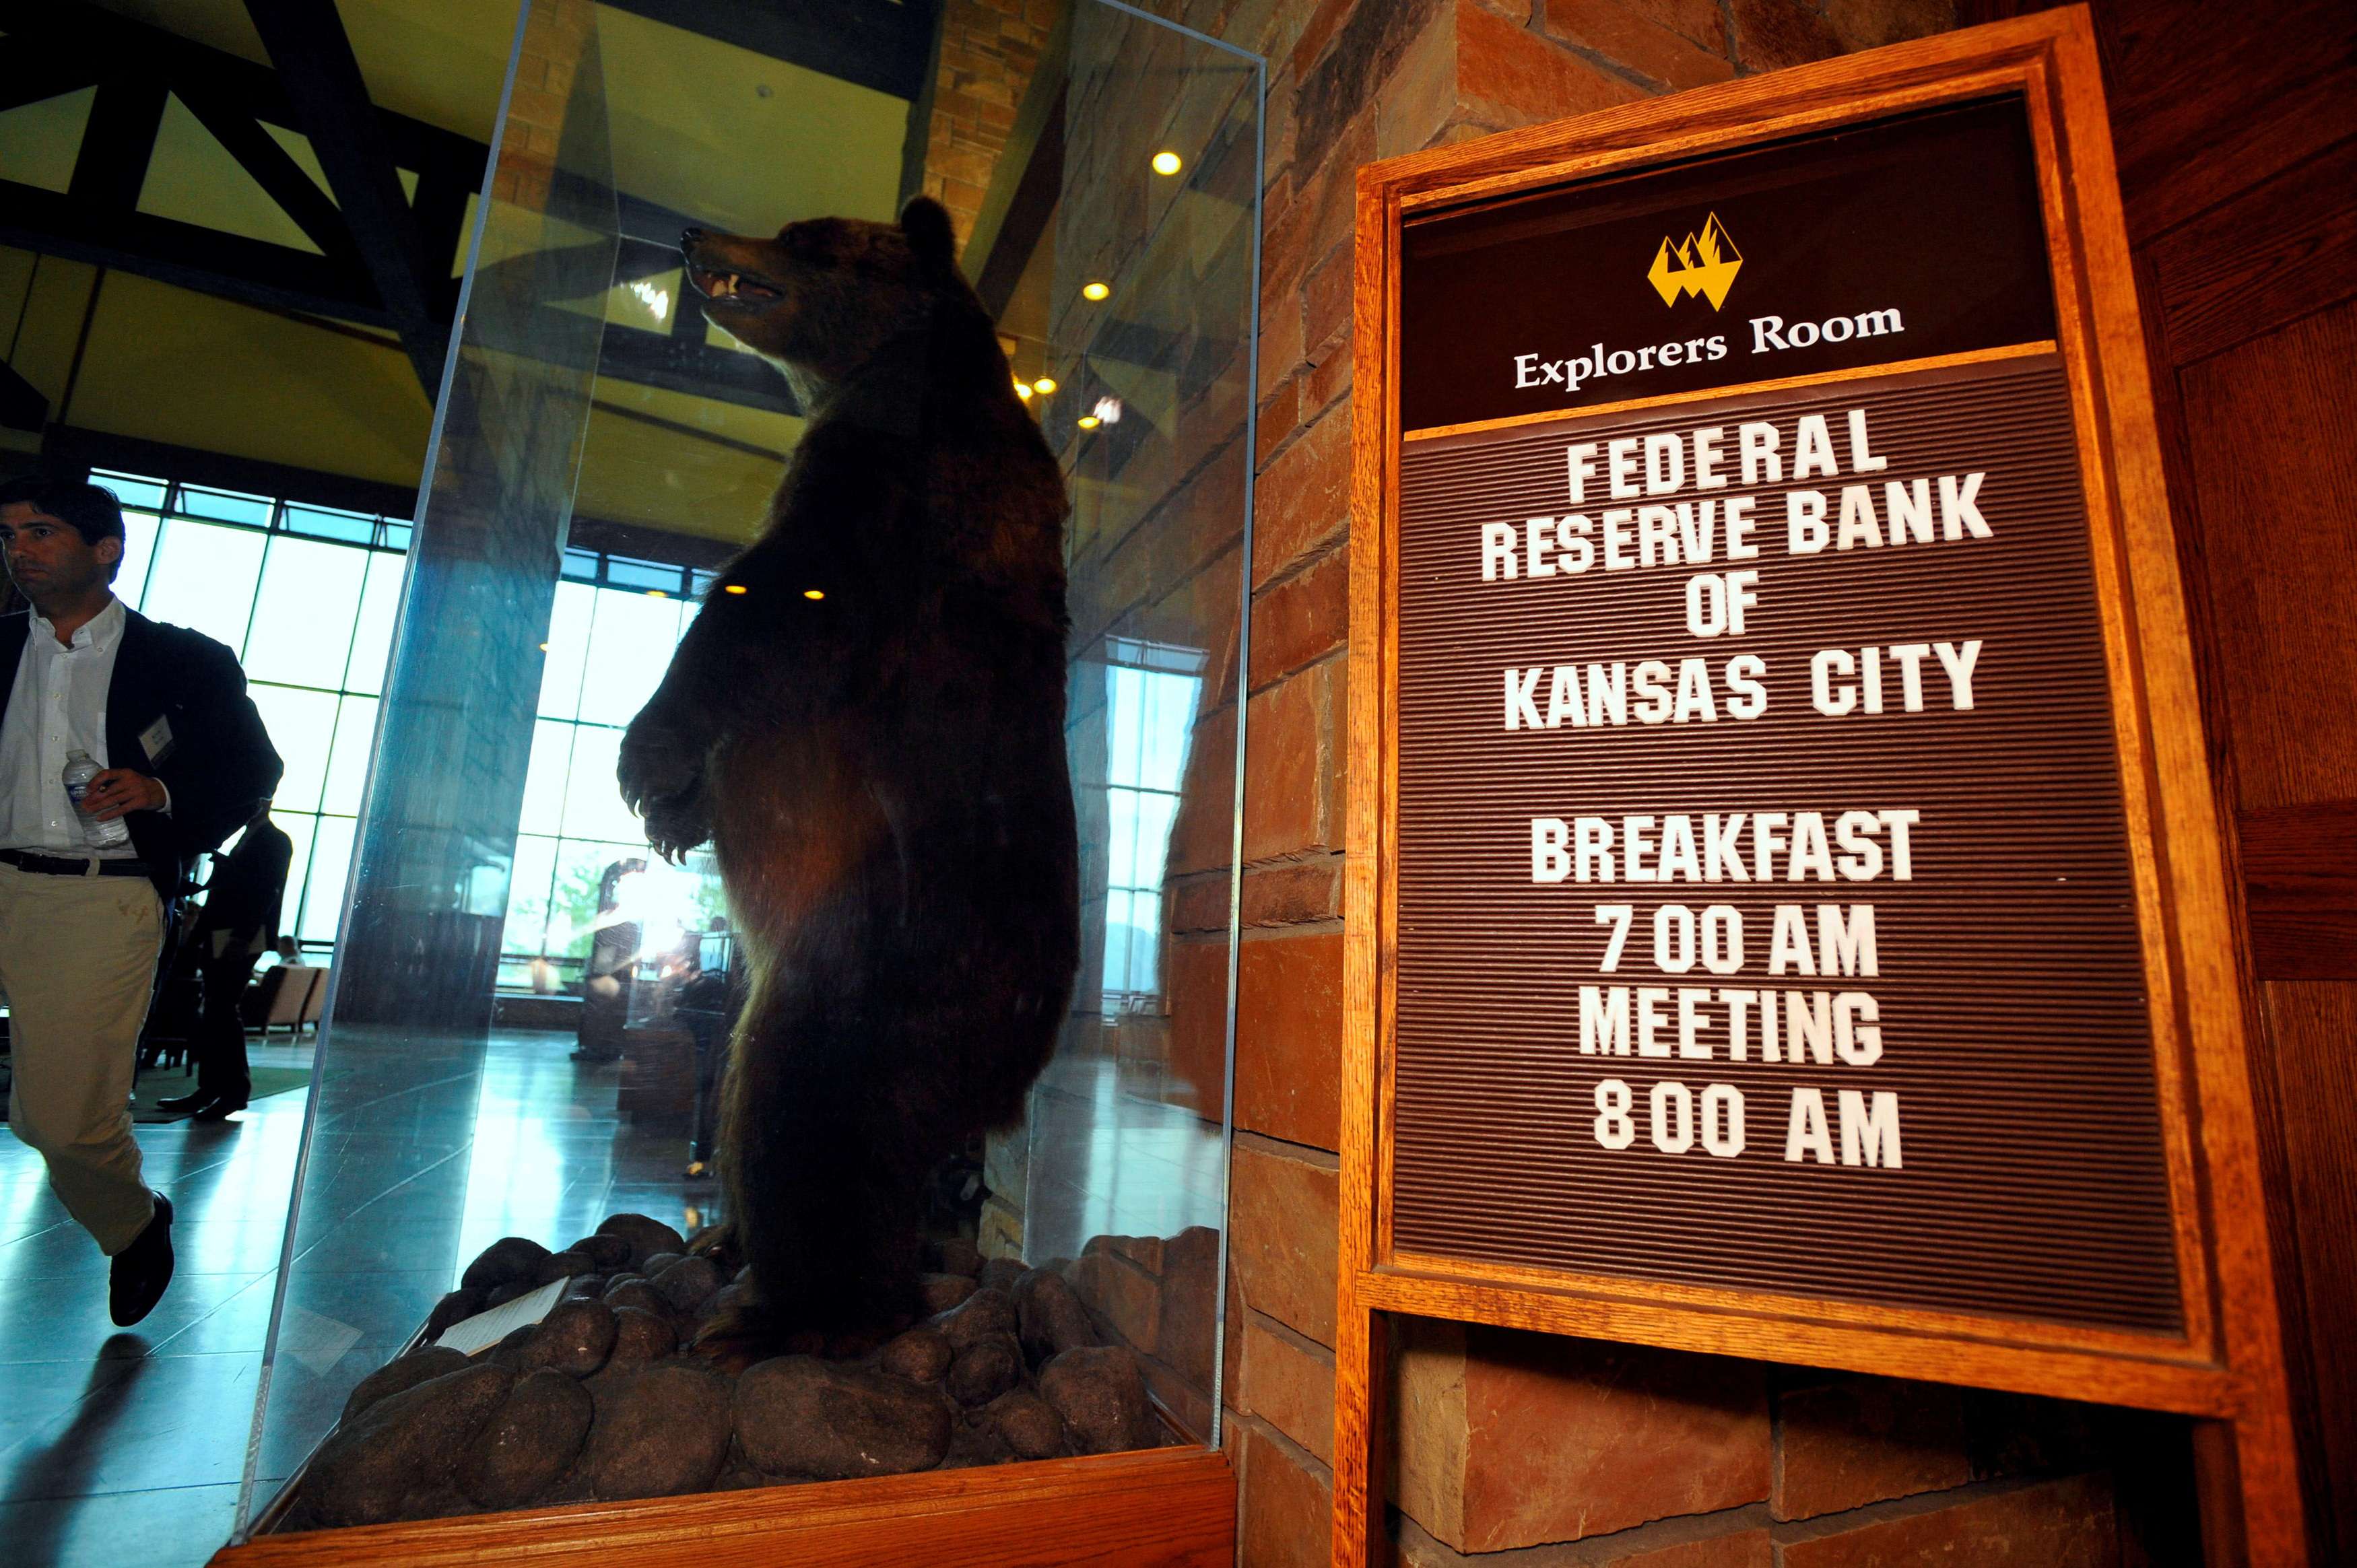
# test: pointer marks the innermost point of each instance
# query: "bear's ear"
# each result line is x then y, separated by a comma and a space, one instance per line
926, 222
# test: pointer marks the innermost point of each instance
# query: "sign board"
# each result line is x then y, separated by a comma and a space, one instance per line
1787, 919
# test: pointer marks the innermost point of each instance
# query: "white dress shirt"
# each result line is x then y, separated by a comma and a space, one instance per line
57, 705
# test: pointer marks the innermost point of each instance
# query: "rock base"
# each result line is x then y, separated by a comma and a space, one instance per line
601, 1401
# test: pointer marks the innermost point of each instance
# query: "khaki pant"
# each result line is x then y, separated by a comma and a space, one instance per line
78, 961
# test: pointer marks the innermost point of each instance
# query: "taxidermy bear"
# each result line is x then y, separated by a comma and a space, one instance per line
866, 720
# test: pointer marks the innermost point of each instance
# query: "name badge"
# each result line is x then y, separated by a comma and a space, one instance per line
156, 739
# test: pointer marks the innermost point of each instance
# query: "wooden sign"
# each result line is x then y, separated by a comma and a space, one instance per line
1787, 916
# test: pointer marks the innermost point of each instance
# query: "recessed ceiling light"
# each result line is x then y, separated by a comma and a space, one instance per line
1089, 422
1096, 290
657, 594
1166, 163
734, 588
813, 593
1023, 390
1044, 385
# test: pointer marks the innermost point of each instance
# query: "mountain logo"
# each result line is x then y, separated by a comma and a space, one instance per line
1703, 263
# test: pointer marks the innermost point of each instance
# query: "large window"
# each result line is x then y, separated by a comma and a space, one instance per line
305, 597
1150, 691
610, 637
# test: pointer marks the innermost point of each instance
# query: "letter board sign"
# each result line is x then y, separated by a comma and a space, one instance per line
1787, 915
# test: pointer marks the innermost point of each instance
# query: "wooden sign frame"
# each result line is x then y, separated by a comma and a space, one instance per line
2226, 1369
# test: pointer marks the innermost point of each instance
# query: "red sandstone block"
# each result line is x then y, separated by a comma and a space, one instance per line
1288, 1381
1624, 35
1190, 1302
1281, 1224
1277, 420
1848, 1444
1317, 32
1329, 383
1292, 764
1325, 303
1121, 1294
2066, 1523
1292, 895
1772, 33
1285, 1510
1509, 76
1737, 1548
1869, 24
1302, 619
1199, 1023
1196, 905
1203, 836
1289, 1006
1420, 98
1303, 500
1507, 1439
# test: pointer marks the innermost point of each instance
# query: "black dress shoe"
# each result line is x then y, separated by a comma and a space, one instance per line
180, 1102
220, 1109
142, 1270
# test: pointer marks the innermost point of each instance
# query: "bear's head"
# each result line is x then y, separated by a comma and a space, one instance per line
825, 295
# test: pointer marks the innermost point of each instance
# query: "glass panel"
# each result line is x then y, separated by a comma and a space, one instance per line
544, 782
566, 651
226, 505
528, 893
348, 763
204, 577
322, 522
304, 614
372, 633
378, 1227
631, 641
302, 725
139, 529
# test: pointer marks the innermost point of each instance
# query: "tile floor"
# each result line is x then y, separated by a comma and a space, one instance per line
124, 1449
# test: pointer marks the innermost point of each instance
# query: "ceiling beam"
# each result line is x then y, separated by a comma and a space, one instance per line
875, 43
22, 406
322, 80
32, 70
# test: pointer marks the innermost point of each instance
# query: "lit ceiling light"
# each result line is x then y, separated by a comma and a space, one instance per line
1108, 410
544, 648
1044, 385
1023, 390
657, 594
734, 588
1089, 422
1096, 290
1165, 163
656, 299
813, 593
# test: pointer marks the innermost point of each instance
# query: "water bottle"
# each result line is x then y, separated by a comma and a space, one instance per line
108, 835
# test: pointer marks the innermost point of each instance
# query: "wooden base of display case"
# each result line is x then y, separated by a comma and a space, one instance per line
1160, 1506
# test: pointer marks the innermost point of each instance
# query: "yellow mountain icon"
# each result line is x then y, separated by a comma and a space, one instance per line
1703, 263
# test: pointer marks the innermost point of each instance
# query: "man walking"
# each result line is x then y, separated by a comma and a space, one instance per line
240, 923
184, 760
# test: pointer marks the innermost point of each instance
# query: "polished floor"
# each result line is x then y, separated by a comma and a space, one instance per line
125, 1449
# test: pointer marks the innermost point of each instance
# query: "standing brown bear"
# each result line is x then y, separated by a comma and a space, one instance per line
866, 720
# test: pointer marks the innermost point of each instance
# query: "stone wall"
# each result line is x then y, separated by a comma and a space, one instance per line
989, 49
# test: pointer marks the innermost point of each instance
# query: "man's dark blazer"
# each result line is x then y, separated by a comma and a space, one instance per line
247, 887
220, 766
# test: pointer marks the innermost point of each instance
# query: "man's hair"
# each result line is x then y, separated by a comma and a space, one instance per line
91, 511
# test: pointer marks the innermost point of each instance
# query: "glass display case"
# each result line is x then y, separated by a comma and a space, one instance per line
529, 1023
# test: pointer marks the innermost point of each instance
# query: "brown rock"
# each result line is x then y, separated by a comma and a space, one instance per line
980, 1316
923, 1355
402, 1373
985, 1368
1051, 1316
1000, 1273
640, 1336
663, 1433
657, 1262
646, 1236
500, 1295
529, 1443
406, 1442
687, 1282
957, 1255
1027, 1424
1101, 1394
941, 1291
1190, 1296
610, 1253
640, 1294
797, 1415
509, 1352
574, 1338
511, 1260
456, 1307
565, 1266
586, 1287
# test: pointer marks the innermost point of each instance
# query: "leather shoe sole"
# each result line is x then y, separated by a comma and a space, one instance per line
141, 1271
218, 1110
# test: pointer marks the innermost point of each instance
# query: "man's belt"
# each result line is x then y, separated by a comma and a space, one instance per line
60, 866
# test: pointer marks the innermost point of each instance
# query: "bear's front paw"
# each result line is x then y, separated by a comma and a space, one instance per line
663, 779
